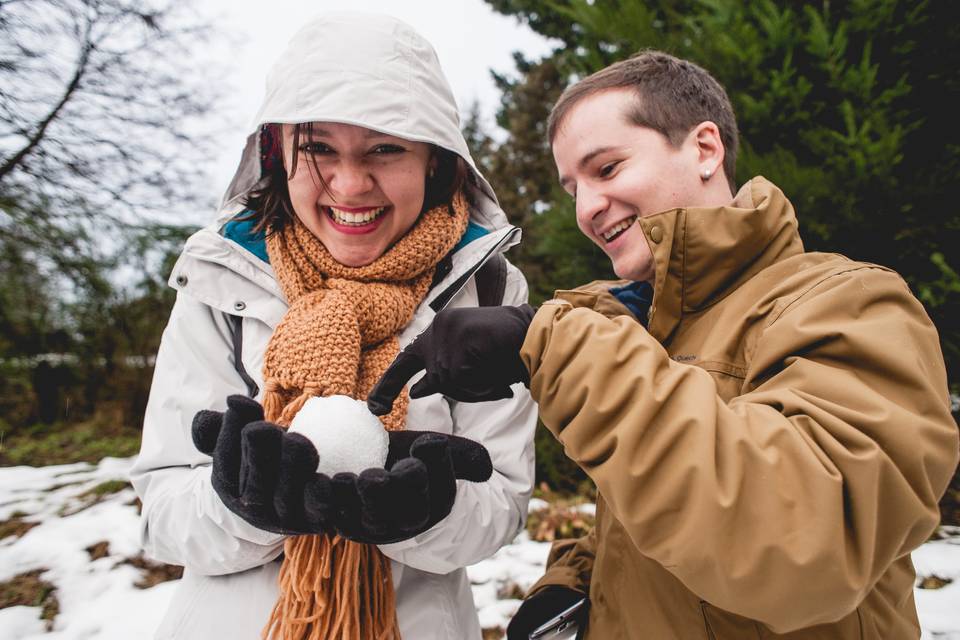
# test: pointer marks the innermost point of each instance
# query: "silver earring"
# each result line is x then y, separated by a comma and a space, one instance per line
705, 175
432, 171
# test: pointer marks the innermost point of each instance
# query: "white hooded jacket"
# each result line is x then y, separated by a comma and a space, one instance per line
228, 304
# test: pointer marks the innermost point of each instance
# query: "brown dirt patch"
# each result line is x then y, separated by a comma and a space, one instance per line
93, 496
510, 591
15, 527
933, 582
99, 550
28, 589
153, 572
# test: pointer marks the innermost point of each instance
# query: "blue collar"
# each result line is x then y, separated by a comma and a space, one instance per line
636, 296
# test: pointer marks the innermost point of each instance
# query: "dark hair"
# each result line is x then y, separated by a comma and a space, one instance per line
269, 204
673, 96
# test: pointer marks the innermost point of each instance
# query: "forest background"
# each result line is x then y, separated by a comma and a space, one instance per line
849, 107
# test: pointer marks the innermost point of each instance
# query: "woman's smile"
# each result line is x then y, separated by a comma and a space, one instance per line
356, 220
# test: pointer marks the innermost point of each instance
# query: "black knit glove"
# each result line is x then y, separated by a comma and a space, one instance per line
541, 607
470, 354
262, 473
268, 477
414, 492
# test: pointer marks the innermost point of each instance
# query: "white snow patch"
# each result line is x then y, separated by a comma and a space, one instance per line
98, 599
939, 608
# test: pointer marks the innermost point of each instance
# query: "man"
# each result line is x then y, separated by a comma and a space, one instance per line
768, 429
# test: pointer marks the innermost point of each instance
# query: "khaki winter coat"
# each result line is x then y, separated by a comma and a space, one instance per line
767, 454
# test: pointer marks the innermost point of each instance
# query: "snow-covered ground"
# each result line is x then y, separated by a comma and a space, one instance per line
96, 583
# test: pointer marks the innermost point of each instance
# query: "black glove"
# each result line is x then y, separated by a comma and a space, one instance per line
414, 492
262, 473
542, 607
268, 477
470, 354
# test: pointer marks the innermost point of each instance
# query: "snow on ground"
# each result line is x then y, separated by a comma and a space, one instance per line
98, 598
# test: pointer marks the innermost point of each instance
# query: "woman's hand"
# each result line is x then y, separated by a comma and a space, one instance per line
268, 477
415, 491
262, 473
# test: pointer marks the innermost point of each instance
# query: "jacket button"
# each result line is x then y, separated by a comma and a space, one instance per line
239, 306
656, 234
182, 280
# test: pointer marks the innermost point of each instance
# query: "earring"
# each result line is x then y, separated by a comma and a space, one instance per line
432, 171
705, 175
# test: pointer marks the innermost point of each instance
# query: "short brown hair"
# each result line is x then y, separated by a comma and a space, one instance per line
269, 204
674, 96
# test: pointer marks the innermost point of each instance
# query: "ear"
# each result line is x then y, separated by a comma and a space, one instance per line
709, 149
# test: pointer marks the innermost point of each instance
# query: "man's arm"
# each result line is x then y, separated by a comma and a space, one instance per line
570, 565
565, 583
787, 504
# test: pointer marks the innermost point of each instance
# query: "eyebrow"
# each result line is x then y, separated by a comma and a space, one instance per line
584, 161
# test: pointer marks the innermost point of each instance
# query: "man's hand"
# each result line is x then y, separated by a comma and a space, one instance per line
469, 354
541, 607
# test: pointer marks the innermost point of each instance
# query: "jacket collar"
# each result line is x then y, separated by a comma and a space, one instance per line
703, 254
221, 274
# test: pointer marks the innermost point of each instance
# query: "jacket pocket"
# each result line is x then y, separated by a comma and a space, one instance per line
721, 625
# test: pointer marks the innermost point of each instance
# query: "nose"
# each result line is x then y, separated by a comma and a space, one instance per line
349, 179
590, 203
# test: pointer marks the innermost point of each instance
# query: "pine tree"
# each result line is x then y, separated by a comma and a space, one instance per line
848, 107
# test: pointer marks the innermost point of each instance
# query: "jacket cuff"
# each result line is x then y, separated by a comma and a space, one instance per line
558, 576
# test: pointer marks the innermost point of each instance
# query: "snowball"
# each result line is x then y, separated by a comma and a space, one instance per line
346, 435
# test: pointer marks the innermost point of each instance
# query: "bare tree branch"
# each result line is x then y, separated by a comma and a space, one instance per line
99, 102
41, 129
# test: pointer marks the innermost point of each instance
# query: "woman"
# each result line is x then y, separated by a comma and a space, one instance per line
355, 214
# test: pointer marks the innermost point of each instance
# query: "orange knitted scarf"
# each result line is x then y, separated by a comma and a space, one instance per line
338, 337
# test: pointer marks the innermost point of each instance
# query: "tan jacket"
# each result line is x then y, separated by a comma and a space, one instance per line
767, 455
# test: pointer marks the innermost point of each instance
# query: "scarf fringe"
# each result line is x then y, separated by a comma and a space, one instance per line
351, 580
273, 400
286, 417
277, 407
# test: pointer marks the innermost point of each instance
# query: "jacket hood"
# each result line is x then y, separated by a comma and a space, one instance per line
368, 70
704, 253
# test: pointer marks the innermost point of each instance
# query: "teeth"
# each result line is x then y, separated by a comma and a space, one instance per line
611, 233
347, 217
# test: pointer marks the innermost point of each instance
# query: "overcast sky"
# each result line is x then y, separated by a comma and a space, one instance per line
469, 37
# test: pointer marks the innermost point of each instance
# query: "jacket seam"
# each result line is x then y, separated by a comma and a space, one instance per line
448, 293
706, 623
786, 306
717, 366
796, 299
